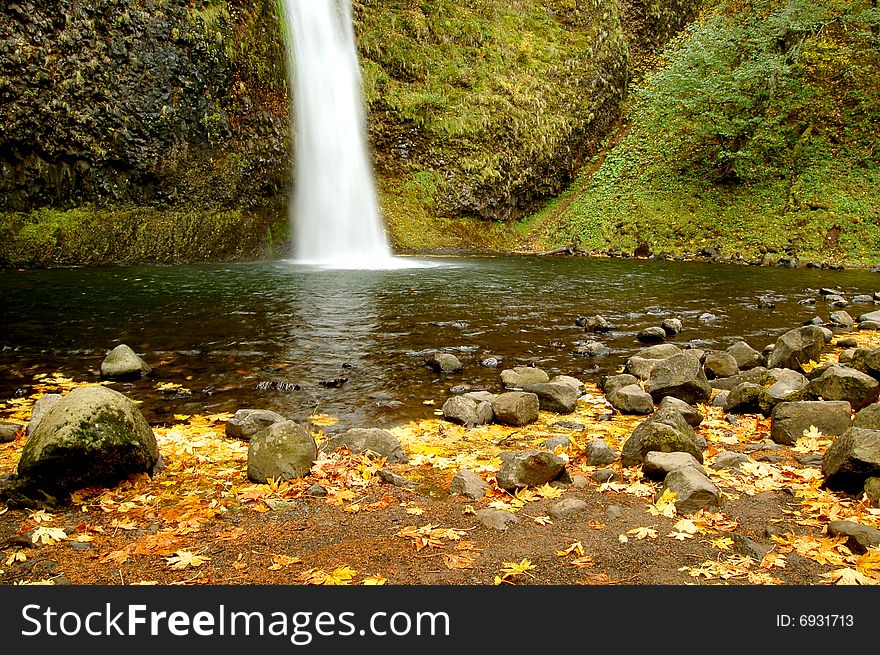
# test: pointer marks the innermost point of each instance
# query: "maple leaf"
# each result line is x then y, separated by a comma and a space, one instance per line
576, 547
548, 491
41, 517
848, 576
812, 433
184, 558
772, 559
118, 556
722, 543
511, 570
375, 581
680, 536
542, 520
643, 533
48, 536
687, 526
458, 561
340, 576
16, 557
281, 561
415, 511
664, 505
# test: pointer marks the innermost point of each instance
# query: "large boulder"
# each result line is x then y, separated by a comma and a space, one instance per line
373, 440
672, 326
693, 490
844, 383
789, 420
93, 435
612, 383
640, 367
842, 319
247, 422
660, 351
573, 382
690, 413
519, 376
282, 451
467, 411
529, 468
665, 431
797, 347
868, 418
516, 408
681, 377
122, 363
851, 459
786, 385
746, 357
747, 398
658, 465
556, 397
758, 375
859, 538
720, 365
40, 409
631, 399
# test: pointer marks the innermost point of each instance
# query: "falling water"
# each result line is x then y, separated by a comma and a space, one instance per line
335, 212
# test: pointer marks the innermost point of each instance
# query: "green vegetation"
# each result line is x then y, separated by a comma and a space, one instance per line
759, 133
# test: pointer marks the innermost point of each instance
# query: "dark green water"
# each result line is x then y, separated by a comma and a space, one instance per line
226, 332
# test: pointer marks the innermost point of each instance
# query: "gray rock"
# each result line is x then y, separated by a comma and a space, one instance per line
797, 347
720, 365
746, 357
660, 351
496, 519
789, 420
282, 451
569, 425
690, 413
468, 484
720, 399
631, 399
614, 382
592, 350
863, 299
681, 377
316, 491
847, 357
729, 460
665, 431
614, 512
468, 412
599, 453
747, 547
699, 353
842, 318
490, 362
444, 363
369, 440
567, 507
554, 397
520, 376
92, 436
758, 375
516, 408
658, 465
8, 432
579, 482
528, 468
40, 409
247, 422
872, 491
672, 326
122, 363
747, 398
868, 418
844, 383
392, 478
787, 385
480, 396
870, 317
851, 459
652, 335
640, 367
594, 324
870, 362
693, 491
847, 342
869, 325
576, 384
859, 537
814, 460
553, 443
603, 475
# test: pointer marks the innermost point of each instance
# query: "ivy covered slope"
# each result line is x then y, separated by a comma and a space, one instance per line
140, 130
759, 132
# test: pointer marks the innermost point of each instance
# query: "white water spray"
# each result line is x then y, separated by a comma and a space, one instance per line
335, 213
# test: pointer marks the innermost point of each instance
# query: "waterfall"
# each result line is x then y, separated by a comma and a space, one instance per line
335, 212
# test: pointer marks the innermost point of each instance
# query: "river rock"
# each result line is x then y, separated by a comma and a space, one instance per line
599, 453
576, 384
496, 519
468, 484
390, 477
614, 382
672, 326
468, 412
758, 375
40, 409
746, 357
247, 422
869, 325
693, 490
8, 432
374, 440
665, 431
652, 335
837, 301
690, 413
660, 351
847, 342
844, 383
851, 459
786, 385
842, 319
567, 507
868, 418
640, 367
863, 299
516, 408
520, 376
592, 350
872, 491
729, 460
444, 363
797, 347
122, 363
631, 399
553, 443
859, 537
658, 465
720, 365
480, 396
789, 420
747, 398
554, 397
870, 317
594, 324
681, 377
284, 450
600, 475
92, 436
528, 468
